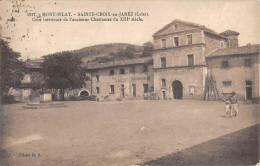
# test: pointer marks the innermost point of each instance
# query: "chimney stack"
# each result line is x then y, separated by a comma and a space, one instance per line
232, 37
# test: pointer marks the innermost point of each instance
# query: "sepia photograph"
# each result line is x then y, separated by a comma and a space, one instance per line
129, 83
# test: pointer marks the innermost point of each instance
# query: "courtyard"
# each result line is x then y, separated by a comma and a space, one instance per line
125, 133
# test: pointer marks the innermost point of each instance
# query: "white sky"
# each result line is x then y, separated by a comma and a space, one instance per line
42, 38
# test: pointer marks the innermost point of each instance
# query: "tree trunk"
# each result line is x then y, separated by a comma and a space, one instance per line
62, 94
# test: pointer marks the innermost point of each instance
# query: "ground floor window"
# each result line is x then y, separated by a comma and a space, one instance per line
227, 83
191, 90
112, 89
145, 87
97, 90
134, 90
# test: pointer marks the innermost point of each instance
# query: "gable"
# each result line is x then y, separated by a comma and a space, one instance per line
181, 26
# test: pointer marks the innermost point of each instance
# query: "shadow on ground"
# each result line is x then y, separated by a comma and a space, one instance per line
237, 148
3, 123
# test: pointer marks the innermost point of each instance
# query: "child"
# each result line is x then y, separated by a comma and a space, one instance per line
228, 109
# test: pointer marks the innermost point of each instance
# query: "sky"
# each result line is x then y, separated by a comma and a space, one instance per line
34, 39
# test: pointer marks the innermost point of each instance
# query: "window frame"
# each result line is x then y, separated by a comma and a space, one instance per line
227, 83
188, 39
145, 87
225, 66
121, 71
178, 41
97, 78
97, 90
246, 64
111, 89
163, 82
132, 69
163, 66
193, 58
164, 45
112, 73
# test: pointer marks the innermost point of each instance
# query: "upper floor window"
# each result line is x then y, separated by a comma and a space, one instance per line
163, 82
190, 60
248, 62
163, 43
176, 28
189, 39
176, 41
224, 64
132, 69
227, 83
122, 71
145, 68
248, 82
163, 62
112, 89
97, 78
112, 72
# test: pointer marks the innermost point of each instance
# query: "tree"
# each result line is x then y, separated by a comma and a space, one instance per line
148, 49
12, 70
63, 70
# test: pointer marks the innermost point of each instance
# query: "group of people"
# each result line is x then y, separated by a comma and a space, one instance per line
231, 106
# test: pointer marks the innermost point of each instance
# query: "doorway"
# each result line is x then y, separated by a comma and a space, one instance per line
177, 89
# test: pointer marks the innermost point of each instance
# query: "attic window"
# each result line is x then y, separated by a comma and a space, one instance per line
176, 28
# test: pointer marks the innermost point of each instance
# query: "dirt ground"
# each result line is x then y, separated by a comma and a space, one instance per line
180, 132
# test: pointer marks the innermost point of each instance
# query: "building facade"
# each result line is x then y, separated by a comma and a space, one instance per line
236, 70
124, 79
179, 59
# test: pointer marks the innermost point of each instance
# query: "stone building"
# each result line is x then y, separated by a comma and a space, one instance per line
124, 79
179, 58
236, 70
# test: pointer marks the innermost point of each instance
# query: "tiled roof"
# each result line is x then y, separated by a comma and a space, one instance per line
118, 63
249, 49
229, 32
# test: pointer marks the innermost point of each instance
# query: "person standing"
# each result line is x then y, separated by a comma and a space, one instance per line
234, 105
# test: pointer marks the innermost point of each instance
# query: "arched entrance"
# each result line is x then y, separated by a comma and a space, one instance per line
84, 93
177, 89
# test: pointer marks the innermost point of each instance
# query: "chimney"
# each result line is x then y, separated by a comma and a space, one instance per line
232, 37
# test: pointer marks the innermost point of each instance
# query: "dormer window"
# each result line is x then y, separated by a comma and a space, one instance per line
163, 43
176, 28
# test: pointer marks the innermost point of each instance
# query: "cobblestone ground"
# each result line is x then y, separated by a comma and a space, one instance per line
180, 132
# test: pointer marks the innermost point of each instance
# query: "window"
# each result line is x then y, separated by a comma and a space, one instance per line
224, 64
163, 62
221, 44
176, 27
145, 86
163, 43
145, 68
190, 60
122, 71
163, 82
112, 89
97, 78
248, 82
112, 72
247, 62
189, 39
132, 69
176, 41
191, 90
227, 83
97, 90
